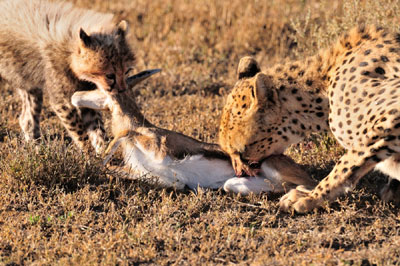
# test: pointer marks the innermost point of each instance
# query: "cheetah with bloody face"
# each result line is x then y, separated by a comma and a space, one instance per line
351, 88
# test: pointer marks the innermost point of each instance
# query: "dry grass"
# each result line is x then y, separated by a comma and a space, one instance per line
58, 206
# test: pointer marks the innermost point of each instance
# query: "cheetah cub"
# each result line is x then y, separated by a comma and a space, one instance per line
178, 160
59, 49
351, 88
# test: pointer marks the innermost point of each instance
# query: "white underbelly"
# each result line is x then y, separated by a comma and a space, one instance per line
198, 171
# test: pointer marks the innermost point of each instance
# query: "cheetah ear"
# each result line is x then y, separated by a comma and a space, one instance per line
122, 28
86, 40
264, 91
247, 68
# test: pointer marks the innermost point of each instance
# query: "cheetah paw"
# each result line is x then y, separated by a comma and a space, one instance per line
299, 200
97, 140
242, 169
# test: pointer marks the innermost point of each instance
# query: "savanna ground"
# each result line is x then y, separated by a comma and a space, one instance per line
58, 206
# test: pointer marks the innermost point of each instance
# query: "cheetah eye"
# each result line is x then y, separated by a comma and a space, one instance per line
111, 77
129, 70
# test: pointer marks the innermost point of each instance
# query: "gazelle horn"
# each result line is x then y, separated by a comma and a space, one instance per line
139, 77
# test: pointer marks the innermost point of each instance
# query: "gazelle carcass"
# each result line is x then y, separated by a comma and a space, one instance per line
178, 160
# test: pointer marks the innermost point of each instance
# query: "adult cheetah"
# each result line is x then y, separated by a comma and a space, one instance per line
351, 88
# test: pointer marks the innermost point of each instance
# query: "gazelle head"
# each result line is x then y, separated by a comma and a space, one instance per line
103, 100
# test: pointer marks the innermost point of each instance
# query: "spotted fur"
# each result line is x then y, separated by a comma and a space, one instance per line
58, 49
351, 88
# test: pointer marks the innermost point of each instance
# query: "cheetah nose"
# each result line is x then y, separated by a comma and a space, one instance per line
122, 87
255, 165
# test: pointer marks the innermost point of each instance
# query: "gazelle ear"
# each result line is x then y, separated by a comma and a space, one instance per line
94, 99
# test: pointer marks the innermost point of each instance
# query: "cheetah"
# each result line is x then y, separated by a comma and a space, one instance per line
351, 89
58, 49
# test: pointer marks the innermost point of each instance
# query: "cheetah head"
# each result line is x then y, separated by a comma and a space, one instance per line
251, 115
104, 59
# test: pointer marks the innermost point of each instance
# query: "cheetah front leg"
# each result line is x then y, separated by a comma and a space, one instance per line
93, 125
29, 119
81, 124
345, 175
71, 119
